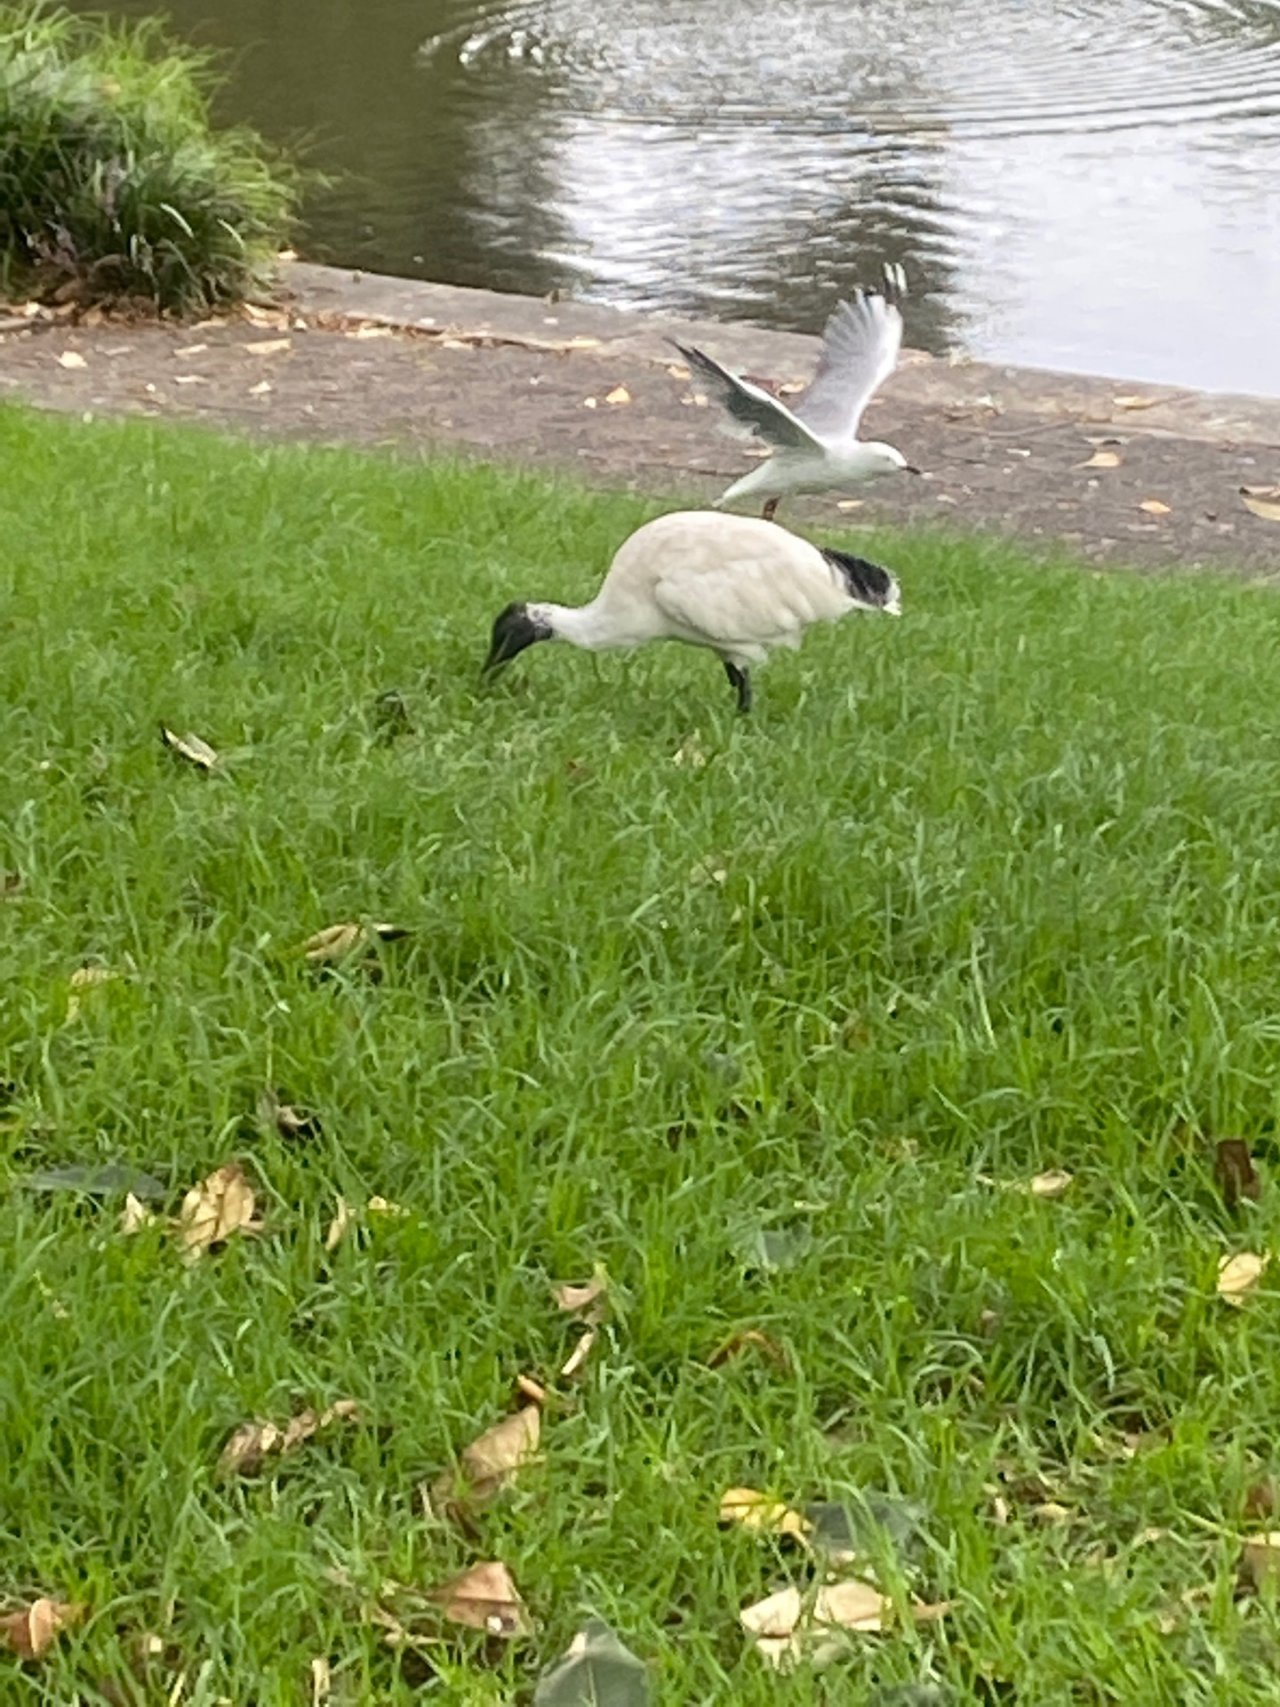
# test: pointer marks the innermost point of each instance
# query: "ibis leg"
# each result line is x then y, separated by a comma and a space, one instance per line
740, 681
770, 509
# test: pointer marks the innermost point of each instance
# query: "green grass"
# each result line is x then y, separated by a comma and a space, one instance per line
115, 183
1001, 893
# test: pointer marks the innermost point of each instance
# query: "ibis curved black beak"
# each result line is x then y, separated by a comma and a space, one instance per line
909, 468
513, 629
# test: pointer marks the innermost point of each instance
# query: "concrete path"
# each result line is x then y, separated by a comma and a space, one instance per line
392, 362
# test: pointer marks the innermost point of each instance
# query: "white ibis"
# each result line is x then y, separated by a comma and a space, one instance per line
815, 442
737, 585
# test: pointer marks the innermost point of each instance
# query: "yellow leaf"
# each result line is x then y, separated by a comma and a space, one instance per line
87, 978
1238, 1275
619, 394
1154, 507
337, 941
1262, 1557
578, 1356
32, 1630
212, 1211
484, 1598
787, 1631
135, 1215
754, 1510
587, 1299
321, 1681
1264, 501
191, 748
69, 359
268, 346
1051, 1184
1101, 459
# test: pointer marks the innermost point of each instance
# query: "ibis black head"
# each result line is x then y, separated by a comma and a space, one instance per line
513, 629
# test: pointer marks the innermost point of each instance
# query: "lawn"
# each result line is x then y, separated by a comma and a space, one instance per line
774, 1018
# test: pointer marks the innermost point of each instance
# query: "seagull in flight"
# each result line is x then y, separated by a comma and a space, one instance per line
815, 442
737, 585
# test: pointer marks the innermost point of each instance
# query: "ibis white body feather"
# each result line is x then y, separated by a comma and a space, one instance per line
737, 585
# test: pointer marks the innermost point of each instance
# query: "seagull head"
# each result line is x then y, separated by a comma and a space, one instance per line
515, 628
877, 458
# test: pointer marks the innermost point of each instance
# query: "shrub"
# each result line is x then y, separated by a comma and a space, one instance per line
114, 181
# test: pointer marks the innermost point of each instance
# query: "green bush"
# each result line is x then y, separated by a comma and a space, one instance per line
114, 181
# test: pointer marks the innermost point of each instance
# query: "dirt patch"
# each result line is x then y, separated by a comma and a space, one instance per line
395, 363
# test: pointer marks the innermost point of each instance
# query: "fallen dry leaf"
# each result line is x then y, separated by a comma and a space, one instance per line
87, 978
483, 1598
190, 747
850, 503
1264, 501
1050, 1513
189, 379
1262, 1557
677, 370
384, 1206
268, 346
321, 1681
753, 1510
1235, 1173
135, 1215
253, 1442
579, 1355
491, 1461
212, 1211
261, 388
289, 1122
71, 359
1154, 507
191, 350
1051, 1184
1238, 1275
32, 1630
338, 1226
619, 394
1101, 459
590, 402
587, 1299
736, 1344
1131, 401
788, 1632
335, 942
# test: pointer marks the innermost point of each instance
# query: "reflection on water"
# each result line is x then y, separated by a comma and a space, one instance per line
1092, 184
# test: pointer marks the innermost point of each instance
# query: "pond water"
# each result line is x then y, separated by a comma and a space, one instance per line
1091, 184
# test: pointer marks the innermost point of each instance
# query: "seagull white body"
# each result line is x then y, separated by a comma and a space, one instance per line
737, 585
814, 443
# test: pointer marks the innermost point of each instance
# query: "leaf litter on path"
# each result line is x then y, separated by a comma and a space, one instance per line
484, 1598
214, 1209
253, 1443
1263, 501
597, 1670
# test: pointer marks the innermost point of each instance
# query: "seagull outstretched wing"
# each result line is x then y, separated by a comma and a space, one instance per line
860, 346
752, 407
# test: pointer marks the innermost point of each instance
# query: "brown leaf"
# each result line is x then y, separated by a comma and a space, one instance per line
190, 747
1101, 459
587, 1299
484, 1598
338, 1226
1235, 1173
253, 1442
738, 1343
579, 1355
1239, 1274
212, 1211
619, 394
32, 1630
268, 346
1154, 507
1264, 501
753, 1510
1262, 1499
1262, 1557
491, 1461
